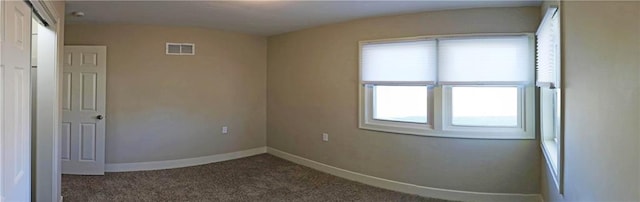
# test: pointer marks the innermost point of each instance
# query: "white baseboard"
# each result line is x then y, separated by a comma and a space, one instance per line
159, 165
405, 187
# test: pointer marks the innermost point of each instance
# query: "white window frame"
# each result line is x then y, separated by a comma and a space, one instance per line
448, 117
552, 140
552, 144
369, 122
438, 97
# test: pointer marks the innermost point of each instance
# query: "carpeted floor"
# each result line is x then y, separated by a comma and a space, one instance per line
257, 178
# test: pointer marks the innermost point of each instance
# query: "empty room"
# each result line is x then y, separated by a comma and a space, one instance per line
278, 100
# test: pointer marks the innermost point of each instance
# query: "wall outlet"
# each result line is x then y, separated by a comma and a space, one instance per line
325, 137
225, 130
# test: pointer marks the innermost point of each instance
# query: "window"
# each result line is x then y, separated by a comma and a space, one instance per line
549, 125
548, 80
485, 106
396, 79
400, 103
454, 86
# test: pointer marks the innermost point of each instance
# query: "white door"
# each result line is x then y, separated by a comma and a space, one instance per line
83, 110
15, 87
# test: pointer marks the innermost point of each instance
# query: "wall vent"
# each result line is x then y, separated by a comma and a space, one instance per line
181, 49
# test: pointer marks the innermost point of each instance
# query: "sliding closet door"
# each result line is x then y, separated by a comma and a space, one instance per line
15, 110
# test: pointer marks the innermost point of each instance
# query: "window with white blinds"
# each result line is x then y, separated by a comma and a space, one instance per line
549, 80
548, 47
400, 61
453, 86
396, 76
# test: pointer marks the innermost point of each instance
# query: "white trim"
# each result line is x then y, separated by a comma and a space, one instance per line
549, 151
48, 113
447, 194
179, 163
57, 114
486, 83
46, 10
441, 36
552, 144
2, 197
548, 15
400, 83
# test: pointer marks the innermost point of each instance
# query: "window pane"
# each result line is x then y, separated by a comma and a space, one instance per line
400, 103
484, 106
547, 115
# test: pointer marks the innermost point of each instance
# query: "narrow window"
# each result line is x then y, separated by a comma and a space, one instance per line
548, 80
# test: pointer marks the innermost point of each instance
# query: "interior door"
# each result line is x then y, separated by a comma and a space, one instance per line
83, 110
15, 113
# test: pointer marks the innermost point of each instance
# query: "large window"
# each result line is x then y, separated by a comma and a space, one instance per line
548, 79
454, 86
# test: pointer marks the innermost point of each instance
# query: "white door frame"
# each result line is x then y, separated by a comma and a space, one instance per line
47, 182
47, 141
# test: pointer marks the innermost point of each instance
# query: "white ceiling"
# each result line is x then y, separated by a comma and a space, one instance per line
259, 17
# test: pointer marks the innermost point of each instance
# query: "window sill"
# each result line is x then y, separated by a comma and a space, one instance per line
450, 134
409, 129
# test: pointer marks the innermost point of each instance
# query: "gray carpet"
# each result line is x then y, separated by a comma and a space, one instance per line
257, 178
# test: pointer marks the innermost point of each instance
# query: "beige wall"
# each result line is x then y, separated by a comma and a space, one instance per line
601, 53
312, 88
163, 107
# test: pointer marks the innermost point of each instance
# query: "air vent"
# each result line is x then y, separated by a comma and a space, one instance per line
181, 49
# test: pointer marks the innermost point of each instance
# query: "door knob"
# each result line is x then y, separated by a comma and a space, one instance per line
99, 117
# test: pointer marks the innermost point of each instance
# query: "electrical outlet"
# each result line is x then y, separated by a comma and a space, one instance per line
225, 130
325, 137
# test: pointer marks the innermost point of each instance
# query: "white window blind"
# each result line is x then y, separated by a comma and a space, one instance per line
548, 42
490, 60
403, 61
